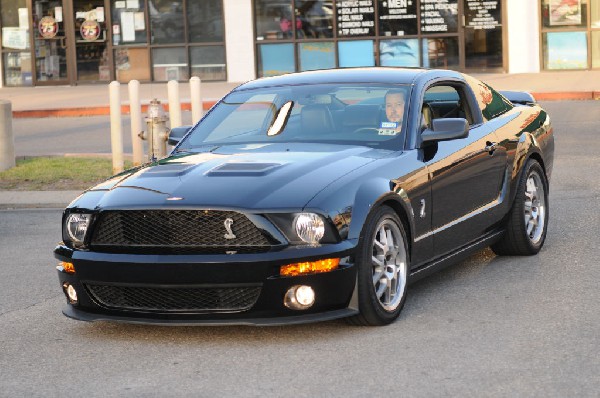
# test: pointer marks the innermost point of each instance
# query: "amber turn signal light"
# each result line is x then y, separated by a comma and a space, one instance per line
312, 267
69, 268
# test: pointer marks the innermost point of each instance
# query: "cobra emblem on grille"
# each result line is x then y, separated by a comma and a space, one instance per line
228, 223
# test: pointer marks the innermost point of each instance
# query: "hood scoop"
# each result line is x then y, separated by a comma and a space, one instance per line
167, 170
243, 169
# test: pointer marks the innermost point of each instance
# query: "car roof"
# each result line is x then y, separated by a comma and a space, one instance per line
387, 75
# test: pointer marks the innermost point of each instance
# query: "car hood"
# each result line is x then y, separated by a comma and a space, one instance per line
257, 176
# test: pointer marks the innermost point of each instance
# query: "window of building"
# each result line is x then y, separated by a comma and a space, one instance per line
16, 53
181, 38
128, 22
132, 64
208, 62
314, 19
399, 52
166, 21
440, 53
356, 53
273, 20
483, 35
570, 37
276, 59
205, 21
170, 63
319, 55
426, 33
595, 32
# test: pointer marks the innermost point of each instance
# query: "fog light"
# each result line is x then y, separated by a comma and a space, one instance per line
70, 292
300, 297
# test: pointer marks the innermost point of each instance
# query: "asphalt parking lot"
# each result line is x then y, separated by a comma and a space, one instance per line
489, 326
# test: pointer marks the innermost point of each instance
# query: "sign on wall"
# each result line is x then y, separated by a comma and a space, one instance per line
483, 14
397, 17
355, 17
48, 27
439, 16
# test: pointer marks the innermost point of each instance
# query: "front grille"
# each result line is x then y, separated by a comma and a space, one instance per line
176, 232
175, 299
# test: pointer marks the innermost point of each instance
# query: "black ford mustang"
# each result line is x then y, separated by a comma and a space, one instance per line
312, 196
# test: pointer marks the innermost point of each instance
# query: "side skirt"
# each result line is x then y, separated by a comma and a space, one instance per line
454, 257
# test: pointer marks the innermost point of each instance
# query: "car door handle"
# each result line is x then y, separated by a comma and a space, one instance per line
491, 147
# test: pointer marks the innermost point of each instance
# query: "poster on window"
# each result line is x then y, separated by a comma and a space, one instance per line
565, 12
355, 17
566, 50
439, 16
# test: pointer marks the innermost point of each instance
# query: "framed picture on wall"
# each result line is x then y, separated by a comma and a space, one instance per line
565, 12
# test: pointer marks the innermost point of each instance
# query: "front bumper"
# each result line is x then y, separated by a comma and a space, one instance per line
333, 290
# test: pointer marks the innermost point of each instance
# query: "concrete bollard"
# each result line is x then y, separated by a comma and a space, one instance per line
7, 140
196, 98
135, 113
116, 134
174, 103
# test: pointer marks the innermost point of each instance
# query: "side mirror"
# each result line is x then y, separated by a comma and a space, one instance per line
445, 130
177, 133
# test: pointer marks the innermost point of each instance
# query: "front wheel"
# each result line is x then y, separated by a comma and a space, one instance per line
528, 218
382, 262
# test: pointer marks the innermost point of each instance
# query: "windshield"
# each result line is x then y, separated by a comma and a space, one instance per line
354, 114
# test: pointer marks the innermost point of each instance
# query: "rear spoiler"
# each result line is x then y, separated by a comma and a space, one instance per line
519, 97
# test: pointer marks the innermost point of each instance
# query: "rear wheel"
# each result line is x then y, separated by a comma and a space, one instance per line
528, 218
382, 262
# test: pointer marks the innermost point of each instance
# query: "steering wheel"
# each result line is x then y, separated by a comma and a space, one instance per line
362, 130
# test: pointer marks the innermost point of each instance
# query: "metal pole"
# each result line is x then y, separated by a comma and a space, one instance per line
116, 135
135, 112
7, 141
174, 103
196, 98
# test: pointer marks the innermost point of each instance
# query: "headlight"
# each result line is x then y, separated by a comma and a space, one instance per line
309, 227
77, 225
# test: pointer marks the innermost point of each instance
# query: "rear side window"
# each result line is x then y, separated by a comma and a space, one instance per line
491, 102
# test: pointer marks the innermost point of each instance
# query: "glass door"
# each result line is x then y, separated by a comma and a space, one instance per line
91, 52
483, 35
50, 47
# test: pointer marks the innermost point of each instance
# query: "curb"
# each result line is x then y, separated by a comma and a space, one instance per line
567, 96
97, 110
12, 206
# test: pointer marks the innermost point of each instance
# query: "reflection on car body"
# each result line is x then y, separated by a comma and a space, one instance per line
293, 200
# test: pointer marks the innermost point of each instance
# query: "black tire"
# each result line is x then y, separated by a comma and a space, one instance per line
524, 236
382, 309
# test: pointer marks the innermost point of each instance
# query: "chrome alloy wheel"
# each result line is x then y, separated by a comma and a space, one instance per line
389, 264
535, 207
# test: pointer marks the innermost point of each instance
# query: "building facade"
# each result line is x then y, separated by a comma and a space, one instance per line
69, 42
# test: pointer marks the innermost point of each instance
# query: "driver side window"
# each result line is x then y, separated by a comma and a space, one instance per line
444, 101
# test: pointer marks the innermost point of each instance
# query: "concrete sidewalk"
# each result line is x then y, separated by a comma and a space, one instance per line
89, 100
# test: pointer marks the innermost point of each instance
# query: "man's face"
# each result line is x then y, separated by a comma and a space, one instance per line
394, 107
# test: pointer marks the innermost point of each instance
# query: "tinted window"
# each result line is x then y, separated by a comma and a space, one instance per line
491, 102
339, 114
445, 101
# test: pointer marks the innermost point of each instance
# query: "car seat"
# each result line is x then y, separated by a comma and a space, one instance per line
426, 117
316, 119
